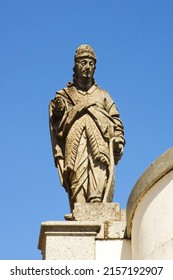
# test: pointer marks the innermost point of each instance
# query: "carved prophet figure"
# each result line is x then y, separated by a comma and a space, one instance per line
87, 134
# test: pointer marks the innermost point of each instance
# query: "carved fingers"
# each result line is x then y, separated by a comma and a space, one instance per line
58, 104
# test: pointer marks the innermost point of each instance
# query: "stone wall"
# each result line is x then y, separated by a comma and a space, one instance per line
150, 211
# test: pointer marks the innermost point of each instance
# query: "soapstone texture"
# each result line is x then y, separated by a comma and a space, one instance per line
87, 134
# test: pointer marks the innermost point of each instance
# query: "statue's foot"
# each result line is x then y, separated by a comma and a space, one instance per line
69, 217
94, 200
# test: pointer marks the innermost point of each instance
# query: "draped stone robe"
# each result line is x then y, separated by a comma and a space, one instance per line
80, 137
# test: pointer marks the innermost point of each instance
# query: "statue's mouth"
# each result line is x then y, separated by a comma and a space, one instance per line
87, 73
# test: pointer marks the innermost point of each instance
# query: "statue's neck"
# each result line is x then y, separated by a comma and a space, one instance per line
83, 85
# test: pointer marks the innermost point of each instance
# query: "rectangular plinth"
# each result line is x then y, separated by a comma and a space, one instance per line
68, 240
100, 212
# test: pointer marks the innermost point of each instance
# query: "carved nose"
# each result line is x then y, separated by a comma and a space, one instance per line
87, 66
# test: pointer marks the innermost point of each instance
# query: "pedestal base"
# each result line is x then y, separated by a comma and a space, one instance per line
98, 232
68, 240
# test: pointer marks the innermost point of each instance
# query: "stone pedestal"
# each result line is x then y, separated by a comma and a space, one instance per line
68, 240
97, 231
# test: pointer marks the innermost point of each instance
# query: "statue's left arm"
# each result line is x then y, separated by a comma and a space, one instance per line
116, 130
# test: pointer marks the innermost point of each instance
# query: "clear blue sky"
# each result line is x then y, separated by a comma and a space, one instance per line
133, 41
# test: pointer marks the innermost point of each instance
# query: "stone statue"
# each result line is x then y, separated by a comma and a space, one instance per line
86, 133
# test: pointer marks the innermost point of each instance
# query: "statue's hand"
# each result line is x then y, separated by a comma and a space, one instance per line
59, 104
118, 149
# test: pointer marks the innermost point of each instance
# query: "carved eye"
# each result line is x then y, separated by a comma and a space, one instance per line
83, 62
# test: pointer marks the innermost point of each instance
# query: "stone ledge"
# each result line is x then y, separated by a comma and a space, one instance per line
62, 239
68, 240
67, 228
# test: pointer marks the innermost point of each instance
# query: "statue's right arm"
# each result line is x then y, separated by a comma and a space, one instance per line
56, 113
58, 106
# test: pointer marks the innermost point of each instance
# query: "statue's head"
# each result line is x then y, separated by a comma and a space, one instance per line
84, 57
84, 51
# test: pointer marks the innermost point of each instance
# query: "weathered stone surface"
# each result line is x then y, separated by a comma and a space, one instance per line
99, 212
115, 230
69, 247
87, 134
123, 214
68, 240
80, 240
